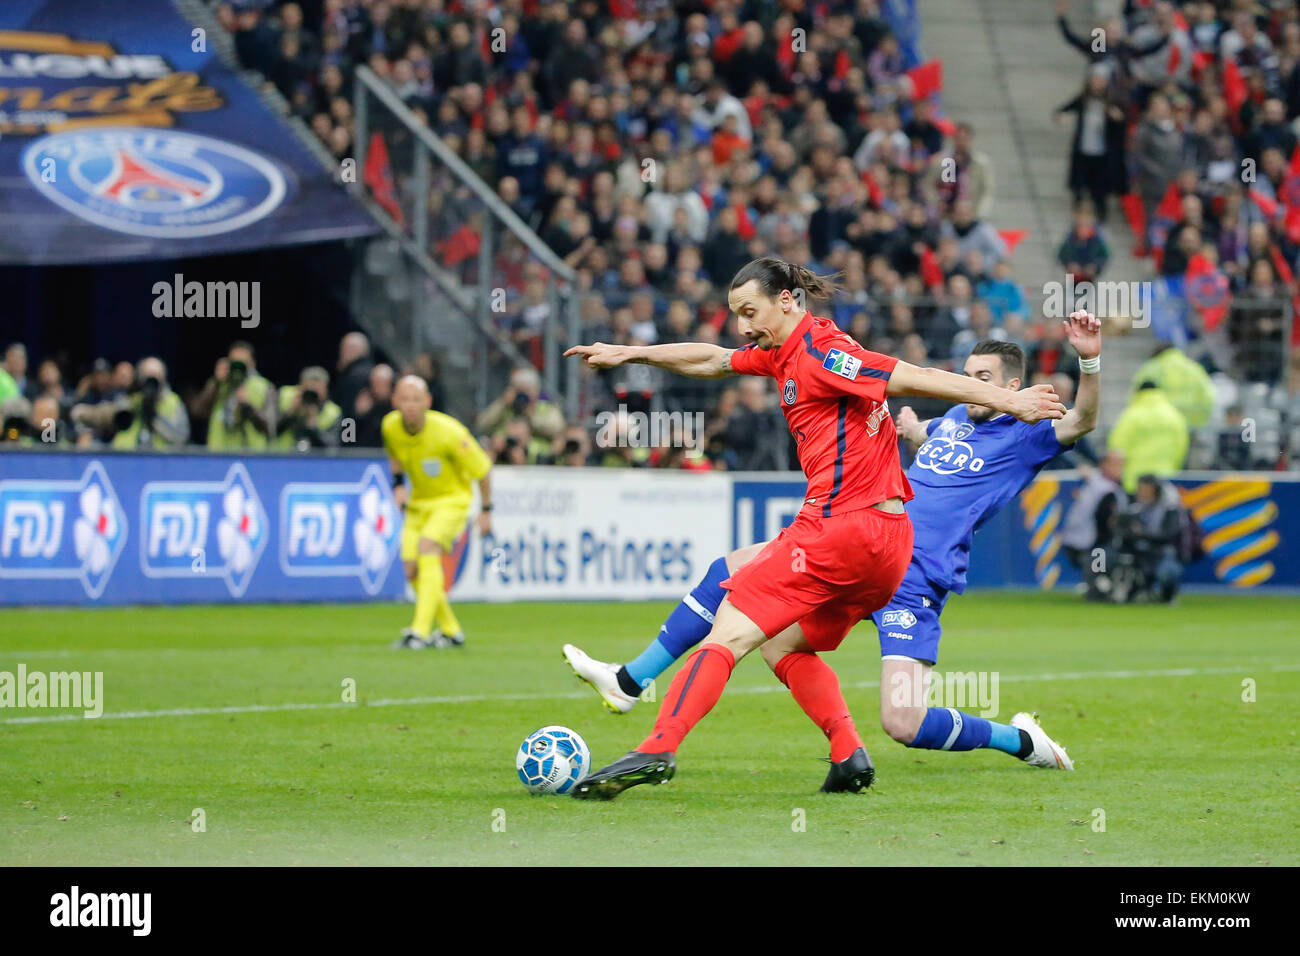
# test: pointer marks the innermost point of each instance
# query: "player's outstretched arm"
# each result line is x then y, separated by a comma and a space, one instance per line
1084, 332
911, 427
692, 359
1028, 404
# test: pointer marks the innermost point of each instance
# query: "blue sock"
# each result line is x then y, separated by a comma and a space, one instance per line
687, 625
946, 728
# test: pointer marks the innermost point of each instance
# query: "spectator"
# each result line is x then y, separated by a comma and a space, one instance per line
372, 404
238, 403
522, 399
1098, 167
1115, 52
354, 365
1003, 294
1183, 381
97, 385
1083, 253
573, 448
1087, 535
1255, 326
1158, 154
756, 433
1151, 434
973, 235
13, 373
307, 418
1236, 448
972, 176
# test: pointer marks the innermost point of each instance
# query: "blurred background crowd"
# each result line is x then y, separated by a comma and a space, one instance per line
656, 147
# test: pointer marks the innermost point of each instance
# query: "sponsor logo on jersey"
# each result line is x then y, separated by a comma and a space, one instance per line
789, 393
946, 452
842, 364
340, 529
898, 618
153, 182
878, 415
215, 529
72, 530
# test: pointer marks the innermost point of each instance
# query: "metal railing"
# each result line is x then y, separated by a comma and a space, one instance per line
455, 258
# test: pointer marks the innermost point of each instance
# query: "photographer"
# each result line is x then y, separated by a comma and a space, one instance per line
1149, 536
1089, 524
307, 418
149, 415
571, 450
32, 423
238, 403
522, 399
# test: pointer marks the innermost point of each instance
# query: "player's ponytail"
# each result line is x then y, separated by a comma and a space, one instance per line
775, 275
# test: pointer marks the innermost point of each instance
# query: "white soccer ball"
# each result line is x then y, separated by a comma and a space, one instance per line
552, 760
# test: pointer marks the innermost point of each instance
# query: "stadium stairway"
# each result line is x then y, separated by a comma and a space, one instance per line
1006, 69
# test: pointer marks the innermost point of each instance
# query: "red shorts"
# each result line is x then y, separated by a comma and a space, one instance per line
826, 574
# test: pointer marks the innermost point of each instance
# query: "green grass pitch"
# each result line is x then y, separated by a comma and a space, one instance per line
238, 711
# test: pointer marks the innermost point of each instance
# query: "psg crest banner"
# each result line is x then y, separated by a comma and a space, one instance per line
124, 136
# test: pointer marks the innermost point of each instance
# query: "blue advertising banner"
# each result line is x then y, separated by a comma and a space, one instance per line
151, 529
1251, 525
123, 136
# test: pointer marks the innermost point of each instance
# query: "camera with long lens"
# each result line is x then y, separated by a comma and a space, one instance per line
16, 427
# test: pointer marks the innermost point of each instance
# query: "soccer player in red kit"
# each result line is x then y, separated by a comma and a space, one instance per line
848, 548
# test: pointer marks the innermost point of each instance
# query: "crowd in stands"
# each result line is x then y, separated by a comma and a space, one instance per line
657, 147
1185, 124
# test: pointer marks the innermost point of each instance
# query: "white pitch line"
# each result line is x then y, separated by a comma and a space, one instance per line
577, 695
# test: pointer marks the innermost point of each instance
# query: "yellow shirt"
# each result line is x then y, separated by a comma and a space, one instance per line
442, 458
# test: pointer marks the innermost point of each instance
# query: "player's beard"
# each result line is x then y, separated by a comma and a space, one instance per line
979, 413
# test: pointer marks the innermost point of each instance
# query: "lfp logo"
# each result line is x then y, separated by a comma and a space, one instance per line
62, 529
152, 182
203, 528
340, 529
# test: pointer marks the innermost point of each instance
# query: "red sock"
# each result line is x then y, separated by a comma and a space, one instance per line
692, 694
817, 690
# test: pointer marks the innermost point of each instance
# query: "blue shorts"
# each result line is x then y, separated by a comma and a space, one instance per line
909, 623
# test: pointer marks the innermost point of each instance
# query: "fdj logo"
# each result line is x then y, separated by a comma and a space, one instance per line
898, 618
203, 528
62, 529
946, 452
339, 529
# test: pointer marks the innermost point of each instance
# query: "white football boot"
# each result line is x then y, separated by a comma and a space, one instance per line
602, 677
1047, 752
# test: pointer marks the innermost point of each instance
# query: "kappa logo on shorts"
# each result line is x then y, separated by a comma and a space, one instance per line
842, 364
789, 392
903, 618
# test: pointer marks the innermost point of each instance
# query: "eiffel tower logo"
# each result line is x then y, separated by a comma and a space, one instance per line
136, 179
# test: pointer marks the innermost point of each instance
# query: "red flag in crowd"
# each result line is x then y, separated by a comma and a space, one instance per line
931, 274
1171, 204
926, 79
378, 176
459, 246
1234, 90
1267, 205
1013, 238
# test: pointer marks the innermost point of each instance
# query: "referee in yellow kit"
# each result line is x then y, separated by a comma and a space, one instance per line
441, 459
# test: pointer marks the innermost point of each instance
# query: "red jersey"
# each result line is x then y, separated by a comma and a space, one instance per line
833, 396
